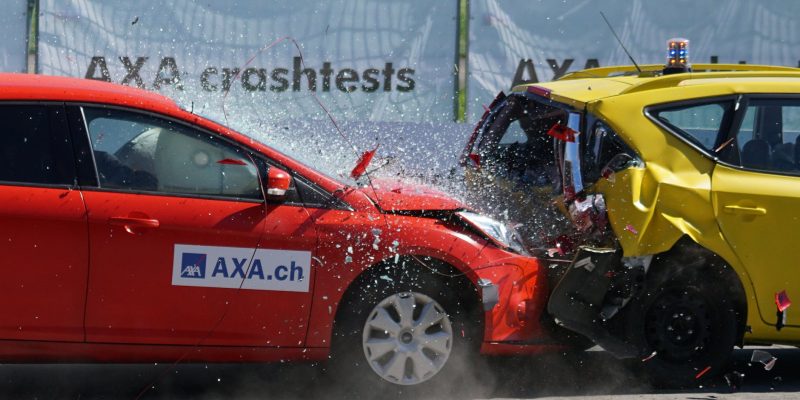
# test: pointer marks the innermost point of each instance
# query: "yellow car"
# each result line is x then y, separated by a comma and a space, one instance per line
671, 198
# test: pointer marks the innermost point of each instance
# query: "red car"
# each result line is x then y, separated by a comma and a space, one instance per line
132, 230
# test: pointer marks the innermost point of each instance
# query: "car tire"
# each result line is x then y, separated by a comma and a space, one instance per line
377, 344
685, 325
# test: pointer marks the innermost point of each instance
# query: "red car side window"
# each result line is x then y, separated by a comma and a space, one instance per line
34, 148
143, 153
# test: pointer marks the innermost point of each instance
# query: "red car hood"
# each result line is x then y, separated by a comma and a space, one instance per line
403, 196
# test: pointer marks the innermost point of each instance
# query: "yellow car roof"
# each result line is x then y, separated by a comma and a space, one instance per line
581, 87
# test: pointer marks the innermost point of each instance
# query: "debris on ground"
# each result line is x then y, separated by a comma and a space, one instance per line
734, 380
761, 356
648, 358
703, 372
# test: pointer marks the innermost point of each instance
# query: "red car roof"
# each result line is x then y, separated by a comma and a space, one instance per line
57, 88
30, 87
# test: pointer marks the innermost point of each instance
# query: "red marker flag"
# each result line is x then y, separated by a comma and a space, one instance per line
782, 300
562, 132
362, 164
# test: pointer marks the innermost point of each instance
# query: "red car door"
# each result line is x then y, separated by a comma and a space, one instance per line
183, 249
43, 235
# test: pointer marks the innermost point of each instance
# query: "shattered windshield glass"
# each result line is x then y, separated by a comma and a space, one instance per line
518, 175
301, 140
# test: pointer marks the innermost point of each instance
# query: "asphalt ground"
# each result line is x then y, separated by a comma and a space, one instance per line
593, 374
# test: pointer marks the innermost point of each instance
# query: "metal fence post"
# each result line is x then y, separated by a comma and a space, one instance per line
33, 36
462, 48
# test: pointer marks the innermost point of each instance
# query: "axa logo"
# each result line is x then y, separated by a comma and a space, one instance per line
238, 268
241, 268
193, 265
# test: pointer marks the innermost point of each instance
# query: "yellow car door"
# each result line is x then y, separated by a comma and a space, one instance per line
756, 196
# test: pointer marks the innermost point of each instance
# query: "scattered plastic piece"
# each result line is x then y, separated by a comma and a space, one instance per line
609, 174
761, 356
565, 244
724, 145
703, 372
362, 164
562, 133
476, 159
650, 357
631, 229
580, 211
553, 251
734, 380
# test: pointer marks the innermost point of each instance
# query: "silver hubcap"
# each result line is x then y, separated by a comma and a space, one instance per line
407, 338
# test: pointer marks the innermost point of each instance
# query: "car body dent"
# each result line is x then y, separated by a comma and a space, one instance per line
670, 197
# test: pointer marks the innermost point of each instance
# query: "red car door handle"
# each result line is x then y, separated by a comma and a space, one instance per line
134, 223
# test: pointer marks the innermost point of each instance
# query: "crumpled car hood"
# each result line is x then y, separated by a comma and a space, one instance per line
393, 196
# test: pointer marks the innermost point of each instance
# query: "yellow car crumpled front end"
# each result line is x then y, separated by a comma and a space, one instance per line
669, 206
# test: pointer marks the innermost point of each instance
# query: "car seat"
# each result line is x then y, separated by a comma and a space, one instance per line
770, 124
783, 157
756, 154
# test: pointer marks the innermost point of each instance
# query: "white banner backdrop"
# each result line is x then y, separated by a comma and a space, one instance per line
383, 68
537, 40
13, 30
366, 59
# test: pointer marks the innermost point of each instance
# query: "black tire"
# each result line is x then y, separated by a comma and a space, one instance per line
690, 324
457, 297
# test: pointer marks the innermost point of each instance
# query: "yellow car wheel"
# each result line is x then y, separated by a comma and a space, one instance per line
687, 324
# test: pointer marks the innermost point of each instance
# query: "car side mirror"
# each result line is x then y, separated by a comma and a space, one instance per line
277, 184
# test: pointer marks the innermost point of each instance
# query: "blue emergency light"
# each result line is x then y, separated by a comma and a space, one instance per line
677, 56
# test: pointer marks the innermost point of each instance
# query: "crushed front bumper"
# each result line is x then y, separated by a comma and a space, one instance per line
514, 292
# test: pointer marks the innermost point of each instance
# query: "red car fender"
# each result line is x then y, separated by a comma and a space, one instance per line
518, 278
522, 293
